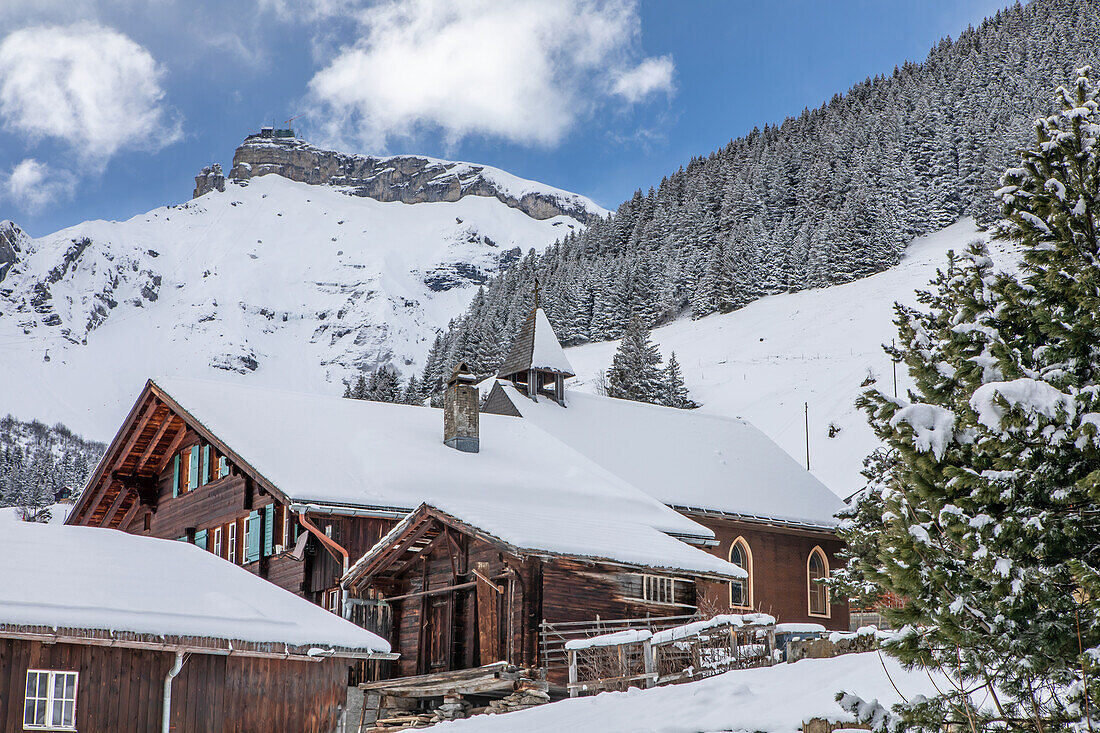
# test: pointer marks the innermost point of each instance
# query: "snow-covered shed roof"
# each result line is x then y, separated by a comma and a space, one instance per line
686, 458
536, 347
524, 485
102, 579
565, 530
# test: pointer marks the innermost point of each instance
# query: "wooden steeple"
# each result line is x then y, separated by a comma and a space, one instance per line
536, 363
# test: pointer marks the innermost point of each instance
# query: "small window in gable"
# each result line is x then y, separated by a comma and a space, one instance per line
817, 570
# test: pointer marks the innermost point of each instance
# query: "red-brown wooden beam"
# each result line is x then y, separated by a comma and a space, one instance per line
123, 490
157, 437
181, 433
139, 426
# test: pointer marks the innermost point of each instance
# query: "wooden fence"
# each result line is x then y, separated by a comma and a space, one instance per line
637, 657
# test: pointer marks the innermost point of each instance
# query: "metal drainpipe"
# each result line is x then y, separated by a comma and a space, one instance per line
324, 539
166, 714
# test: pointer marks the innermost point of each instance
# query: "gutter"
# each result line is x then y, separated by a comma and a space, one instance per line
351, 511
324, 539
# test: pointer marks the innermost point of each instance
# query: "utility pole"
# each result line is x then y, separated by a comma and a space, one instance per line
894, 360
806, 406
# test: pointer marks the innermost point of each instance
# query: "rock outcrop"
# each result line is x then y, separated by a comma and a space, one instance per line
12, 242
209, 179
406, 178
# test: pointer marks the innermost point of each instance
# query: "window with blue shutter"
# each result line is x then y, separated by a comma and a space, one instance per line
252, 541
205, 465
193, 466
269, 529
182, 539
200, 539
223, 466
176, 475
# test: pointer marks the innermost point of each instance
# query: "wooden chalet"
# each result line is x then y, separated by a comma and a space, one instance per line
294, 486
768, 514
103, 631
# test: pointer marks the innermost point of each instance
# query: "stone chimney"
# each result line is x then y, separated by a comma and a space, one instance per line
460, 411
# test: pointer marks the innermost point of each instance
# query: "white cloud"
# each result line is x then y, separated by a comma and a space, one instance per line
309, 10
32, 185
651, 76
86, 85
522, 70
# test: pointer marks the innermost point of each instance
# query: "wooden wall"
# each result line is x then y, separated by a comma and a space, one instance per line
121, 690
578, 591
779, 557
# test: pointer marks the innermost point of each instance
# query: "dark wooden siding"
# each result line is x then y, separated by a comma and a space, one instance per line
779, 557
577, 591
120, 690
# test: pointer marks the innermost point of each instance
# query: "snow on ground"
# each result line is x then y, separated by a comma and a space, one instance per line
775, 699
58, 513
763, 362
277, 283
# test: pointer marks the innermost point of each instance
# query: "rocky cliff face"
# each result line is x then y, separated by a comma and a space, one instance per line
12, 242
405, 178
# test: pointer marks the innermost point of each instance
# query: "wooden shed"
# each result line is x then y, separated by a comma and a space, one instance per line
100, 630
477, 583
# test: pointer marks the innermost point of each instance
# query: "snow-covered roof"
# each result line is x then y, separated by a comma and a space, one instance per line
686, 458
524, 486
91, 578
536, 347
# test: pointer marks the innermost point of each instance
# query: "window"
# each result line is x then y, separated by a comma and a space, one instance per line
658, 589
741, 590
231, 538
332, 600
51, 700
817, 570
284, 511
217, 544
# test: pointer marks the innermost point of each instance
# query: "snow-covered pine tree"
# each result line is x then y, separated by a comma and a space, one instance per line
635, 372
985, 520
675, 391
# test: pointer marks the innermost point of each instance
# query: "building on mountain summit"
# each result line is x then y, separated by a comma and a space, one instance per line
769, 515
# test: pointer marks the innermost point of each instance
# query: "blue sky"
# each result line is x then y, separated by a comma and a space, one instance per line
109, 108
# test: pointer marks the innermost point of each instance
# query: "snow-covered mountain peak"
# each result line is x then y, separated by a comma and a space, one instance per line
410, 179
273, 280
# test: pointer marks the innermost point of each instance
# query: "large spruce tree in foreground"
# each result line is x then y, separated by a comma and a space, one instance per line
983, 515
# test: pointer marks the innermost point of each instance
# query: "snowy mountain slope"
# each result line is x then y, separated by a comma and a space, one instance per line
766, 360
272, 280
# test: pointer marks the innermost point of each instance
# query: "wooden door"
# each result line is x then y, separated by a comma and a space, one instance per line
435, 650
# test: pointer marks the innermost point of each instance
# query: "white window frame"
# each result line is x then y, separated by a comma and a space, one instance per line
288, 517
657, 587
216, 544
332, 601
231, 538
50, 699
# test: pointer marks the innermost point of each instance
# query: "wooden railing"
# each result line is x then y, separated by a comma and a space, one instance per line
638, 657
553, 636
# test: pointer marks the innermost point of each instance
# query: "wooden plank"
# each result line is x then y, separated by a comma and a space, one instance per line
123, 490
488, 616
169, 419
181, 433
